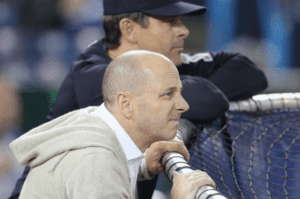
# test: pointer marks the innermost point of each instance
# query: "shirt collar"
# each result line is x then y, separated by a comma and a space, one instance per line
129, 147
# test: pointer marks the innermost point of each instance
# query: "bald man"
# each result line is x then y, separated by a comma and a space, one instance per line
101, 152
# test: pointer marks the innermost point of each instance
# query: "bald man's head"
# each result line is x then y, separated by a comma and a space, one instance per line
142, 90
130, 72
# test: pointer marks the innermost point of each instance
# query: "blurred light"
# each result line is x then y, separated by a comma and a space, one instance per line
5, 11
51, 70
9, 41
83, 11
86, 36
92, 10
16, 73
283, 79
10, 176
53, 42
274, 53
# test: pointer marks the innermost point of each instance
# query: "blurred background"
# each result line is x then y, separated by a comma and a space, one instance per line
39, 40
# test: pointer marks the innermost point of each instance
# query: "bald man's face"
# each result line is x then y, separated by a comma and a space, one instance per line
162, 104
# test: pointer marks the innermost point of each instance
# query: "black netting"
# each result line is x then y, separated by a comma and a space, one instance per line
256, 155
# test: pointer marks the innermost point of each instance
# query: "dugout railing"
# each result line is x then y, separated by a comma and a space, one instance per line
254, 150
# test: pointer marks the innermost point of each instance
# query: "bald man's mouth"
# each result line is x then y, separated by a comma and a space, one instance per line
176, 118
179, 44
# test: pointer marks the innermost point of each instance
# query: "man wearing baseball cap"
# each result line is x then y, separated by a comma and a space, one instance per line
209, 79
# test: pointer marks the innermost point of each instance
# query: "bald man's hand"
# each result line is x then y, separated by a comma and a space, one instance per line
186, 185
156, 151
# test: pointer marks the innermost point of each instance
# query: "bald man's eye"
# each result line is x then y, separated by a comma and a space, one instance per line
169, 94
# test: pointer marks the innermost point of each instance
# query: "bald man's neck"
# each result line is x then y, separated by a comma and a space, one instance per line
137, 137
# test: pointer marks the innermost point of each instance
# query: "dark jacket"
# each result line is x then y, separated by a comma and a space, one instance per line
208, 80
203, 75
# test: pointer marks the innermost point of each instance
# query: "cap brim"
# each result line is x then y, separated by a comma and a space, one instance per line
178, 8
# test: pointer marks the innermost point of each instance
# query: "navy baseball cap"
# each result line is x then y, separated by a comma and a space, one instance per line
152, 7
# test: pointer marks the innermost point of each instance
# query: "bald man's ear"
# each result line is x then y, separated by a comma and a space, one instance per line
124, 104
128, 30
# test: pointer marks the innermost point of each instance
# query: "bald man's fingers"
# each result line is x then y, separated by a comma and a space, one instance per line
156, 151
202, 178
171, 146
197, 178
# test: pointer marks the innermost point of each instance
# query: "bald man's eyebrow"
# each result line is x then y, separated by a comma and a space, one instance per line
173, 88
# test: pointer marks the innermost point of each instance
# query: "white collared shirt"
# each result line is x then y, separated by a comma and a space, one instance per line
133, 154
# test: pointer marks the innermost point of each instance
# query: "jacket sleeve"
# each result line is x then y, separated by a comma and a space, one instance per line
234, 74
237, 77
206, 101
96, 176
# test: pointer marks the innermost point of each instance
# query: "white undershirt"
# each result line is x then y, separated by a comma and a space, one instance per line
133, 154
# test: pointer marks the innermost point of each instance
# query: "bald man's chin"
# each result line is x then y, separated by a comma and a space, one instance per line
174, 134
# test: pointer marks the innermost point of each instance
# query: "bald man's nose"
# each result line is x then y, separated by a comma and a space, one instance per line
182, 105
